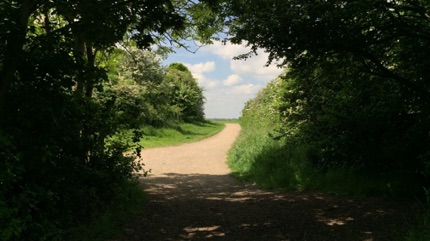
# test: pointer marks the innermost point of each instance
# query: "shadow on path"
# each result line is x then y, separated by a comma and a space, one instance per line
218, 207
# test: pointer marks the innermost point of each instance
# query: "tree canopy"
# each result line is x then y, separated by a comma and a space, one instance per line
73, 75
186, 94
88, 27
357, 86
387, 38
67, 89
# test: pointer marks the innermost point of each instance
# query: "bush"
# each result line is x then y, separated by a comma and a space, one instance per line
355, 121
56, 169
279, 148
185, 92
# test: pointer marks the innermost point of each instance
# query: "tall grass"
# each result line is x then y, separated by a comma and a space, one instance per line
260, 155
256, 156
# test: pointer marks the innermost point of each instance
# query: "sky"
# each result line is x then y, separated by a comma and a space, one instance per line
227, 83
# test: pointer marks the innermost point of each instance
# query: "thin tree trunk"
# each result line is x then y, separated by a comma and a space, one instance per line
80, 54
91, 56
14, 51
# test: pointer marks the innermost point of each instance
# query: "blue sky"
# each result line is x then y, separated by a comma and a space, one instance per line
228, 83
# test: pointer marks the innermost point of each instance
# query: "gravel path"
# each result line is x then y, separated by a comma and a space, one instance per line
193, 197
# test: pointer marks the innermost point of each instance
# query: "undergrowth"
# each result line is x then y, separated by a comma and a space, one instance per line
264, 156
420, 229
129, 198
261, 155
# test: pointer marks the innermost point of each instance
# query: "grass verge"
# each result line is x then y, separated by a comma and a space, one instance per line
264, 156
279, 163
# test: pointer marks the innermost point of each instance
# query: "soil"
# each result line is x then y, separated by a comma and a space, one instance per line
192, 196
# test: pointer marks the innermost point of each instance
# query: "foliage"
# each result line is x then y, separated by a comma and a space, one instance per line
186, 93
258, 154
140, 67
359, 121
273, 156
144, 93
60, 165
138, 91
355, 101
385, 38
59, 168
357, 91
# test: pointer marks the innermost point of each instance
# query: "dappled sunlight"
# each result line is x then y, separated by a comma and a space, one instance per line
218, 207
206, 232
193, 196
337, 221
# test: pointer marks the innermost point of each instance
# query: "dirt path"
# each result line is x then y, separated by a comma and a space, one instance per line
193, 197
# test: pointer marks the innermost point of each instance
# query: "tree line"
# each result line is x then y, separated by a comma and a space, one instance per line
356, 91
74, 75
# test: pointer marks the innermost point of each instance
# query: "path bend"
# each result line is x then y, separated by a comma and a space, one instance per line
192, 196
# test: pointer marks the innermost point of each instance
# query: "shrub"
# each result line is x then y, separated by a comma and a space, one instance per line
56, 169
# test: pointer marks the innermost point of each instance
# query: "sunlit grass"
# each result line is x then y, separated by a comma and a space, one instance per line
282, 163
182, 133
276, 164
174, 134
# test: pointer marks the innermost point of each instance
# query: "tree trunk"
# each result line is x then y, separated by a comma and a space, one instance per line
79, 54
14, 52
91, 56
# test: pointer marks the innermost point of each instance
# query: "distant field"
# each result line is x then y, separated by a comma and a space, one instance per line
226, 120
182, 133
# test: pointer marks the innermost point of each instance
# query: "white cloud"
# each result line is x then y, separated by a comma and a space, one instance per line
248, 89
225, 97
202, 67
228, 101
226, 51
224, 103
199, 70
210, 84
231, 80
254, 67
228, 83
